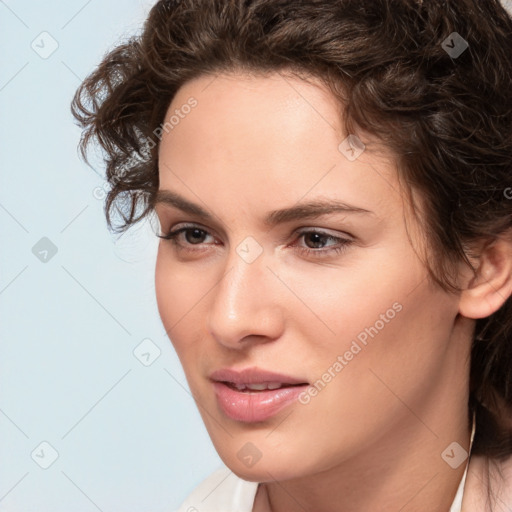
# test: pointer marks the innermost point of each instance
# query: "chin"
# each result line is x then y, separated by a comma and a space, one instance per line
268, 470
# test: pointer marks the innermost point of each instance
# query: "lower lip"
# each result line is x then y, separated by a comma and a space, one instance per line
253, 406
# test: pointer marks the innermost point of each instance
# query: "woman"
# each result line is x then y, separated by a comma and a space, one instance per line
333, 184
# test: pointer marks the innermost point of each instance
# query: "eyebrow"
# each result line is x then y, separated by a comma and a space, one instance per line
299, 211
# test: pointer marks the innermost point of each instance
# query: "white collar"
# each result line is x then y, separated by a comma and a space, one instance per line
457, 502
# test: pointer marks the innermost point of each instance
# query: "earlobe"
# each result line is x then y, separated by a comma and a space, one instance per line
488, 290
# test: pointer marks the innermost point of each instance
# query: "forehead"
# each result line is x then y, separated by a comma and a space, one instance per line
267, 138
243, 112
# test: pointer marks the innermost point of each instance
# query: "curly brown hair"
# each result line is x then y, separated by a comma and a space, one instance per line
447, 117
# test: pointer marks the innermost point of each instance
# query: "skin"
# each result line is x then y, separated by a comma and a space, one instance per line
372, 438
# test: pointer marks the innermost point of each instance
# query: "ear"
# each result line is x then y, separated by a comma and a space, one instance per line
488, 290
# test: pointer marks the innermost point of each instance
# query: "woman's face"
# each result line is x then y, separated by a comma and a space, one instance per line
334, 302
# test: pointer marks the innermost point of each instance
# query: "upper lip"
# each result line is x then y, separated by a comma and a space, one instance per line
253, 376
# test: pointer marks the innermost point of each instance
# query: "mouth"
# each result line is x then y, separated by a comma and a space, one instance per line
264, 386
254, 395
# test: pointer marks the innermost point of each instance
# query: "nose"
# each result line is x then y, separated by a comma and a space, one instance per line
246, 305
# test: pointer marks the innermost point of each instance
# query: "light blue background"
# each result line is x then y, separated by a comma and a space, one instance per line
128, 436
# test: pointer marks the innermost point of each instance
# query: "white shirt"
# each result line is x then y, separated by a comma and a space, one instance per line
223, 491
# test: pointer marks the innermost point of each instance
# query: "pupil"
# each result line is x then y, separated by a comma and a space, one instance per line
316, 237
197, 234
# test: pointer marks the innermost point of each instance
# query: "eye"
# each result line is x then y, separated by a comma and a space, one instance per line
185, 237
316, 238
193, 235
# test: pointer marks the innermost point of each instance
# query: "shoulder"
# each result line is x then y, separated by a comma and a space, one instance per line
221, 491
488, 477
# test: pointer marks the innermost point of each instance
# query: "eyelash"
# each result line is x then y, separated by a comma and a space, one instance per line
344, 242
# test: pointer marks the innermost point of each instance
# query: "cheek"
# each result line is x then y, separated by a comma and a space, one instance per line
163, 288
391, 345
180, 291
177, 287
392, 320
351, 301
173, 293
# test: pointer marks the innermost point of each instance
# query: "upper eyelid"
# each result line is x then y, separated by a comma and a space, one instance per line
161, 210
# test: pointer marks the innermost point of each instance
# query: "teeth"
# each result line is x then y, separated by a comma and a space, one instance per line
258, 387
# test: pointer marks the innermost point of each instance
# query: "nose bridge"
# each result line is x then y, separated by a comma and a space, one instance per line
238, 290
244, 303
